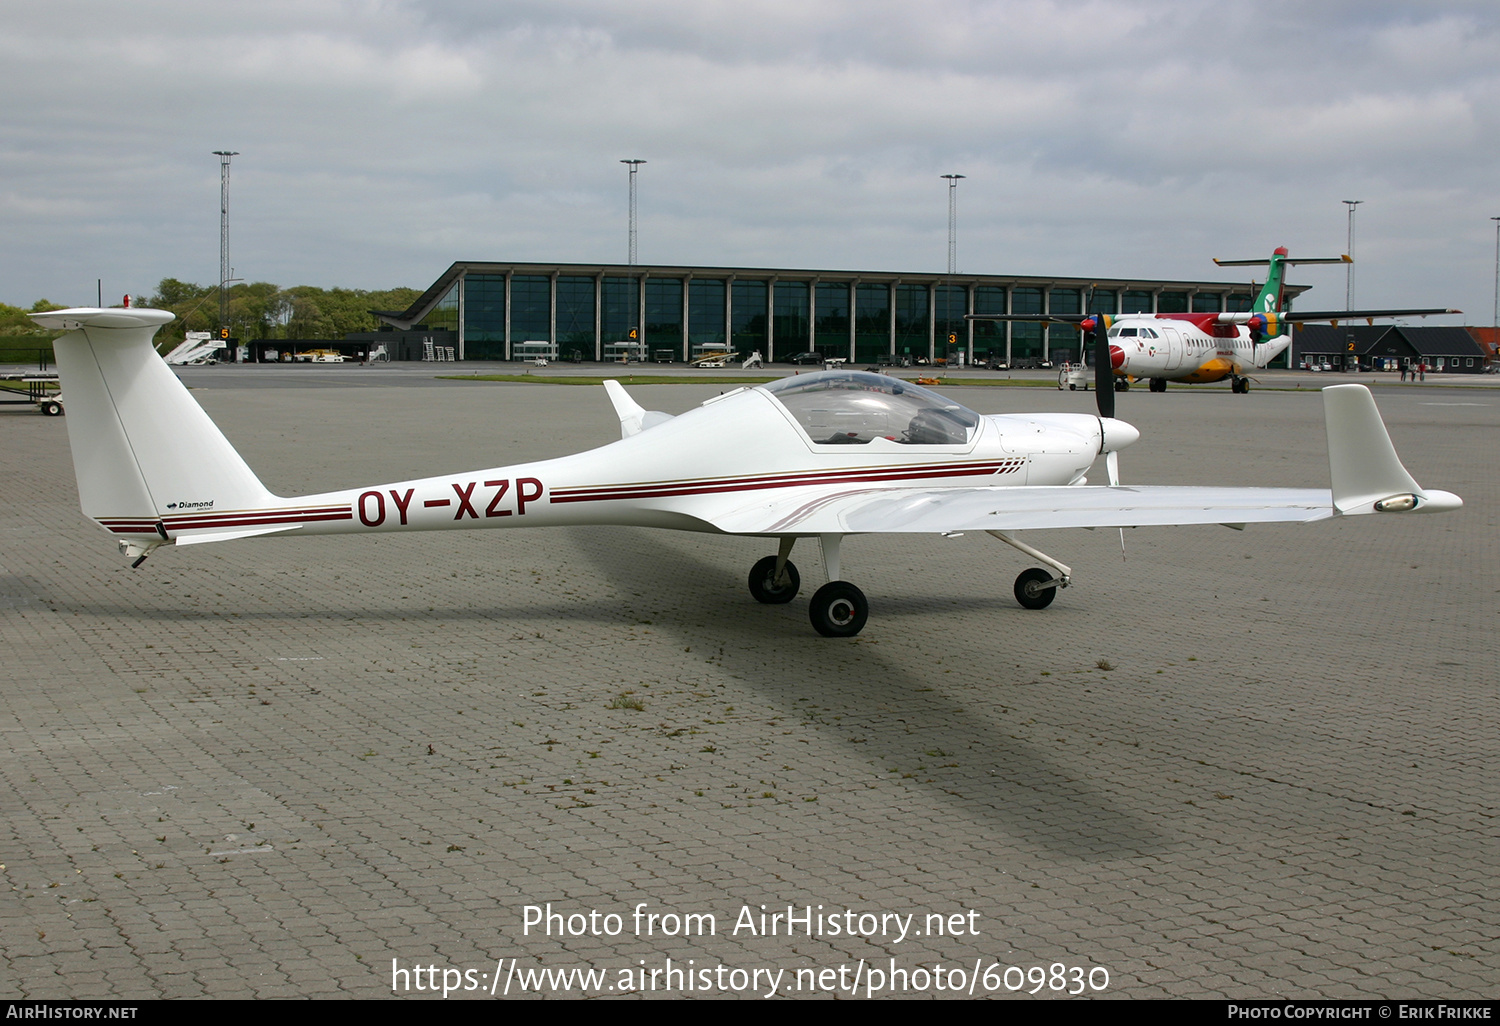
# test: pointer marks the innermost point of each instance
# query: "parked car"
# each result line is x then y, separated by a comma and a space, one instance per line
805, 358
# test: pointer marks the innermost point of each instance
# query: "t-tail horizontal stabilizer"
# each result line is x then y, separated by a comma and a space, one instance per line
1367, 474
142, 446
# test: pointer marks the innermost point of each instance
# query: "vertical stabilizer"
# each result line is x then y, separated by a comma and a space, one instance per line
142, 446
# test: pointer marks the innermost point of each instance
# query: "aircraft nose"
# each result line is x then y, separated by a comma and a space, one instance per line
1117, 434
1116, 357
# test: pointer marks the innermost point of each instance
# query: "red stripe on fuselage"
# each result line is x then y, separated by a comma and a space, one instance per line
706, 486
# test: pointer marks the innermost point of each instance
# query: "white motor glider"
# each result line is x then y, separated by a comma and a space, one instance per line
817, 456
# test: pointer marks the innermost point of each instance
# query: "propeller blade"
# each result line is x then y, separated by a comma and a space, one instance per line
1112, 465
1104, 372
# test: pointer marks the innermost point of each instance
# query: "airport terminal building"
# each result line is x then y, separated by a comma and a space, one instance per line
512, 311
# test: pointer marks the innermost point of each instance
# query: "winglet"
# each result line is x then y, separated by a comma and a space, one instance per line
1367, 475
634, 418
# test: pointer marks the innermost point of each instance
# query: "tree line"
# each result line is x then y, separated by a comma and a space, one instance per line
257, 310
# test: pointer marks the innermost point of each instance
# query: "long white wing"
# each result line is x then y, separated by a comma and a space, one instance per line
834, 510
1367, 477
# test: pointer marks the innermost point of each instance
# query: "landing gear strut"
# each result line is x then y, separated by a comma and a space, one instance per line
838, 609
775, 580
1036, 588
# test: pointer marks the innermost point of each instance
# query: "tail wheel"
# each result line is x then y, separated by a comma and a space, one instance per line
763, 582
1031, 591
839, 610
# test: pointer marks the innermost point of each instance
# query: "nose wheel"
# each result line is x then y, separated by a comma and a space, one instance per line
1036, 588
839, 610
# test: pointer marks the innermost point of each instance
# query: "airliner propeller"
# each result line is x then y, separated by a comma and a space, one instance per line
1096, 335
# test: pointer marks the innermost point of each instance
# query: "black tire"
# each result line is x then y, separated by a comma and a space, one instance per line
1074, 388
52, 409
1244, 386
1029, 591
1158, 384
763, 582
1122, 385
839, 610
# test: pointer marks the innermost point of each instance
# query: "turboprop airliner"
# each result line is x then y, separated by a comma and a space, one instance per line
817, 456
1204, 347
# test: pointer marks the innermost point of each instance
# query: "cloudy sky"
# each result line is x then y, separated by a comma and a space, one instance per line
380, 140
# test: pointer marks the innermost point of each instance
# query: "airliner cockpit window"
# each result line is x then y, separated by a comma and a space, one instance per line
855, 407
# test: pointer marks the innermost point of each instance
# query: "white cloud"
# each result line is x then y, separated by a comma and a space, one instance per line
380, 140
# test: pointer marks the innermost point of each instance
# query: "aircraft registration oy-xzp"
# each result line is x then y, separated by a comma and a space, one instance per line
1196, 348
817, 456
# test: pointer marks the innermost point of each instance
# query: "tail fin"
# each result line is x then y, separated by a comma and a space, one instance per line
1269, 300
142, 446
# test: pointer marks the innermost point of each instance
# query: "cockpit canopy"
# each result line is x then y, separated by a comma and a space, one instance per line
856, 407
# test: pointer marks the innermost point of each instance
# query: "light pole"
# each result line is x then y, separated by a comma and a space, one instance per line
953, 221
224, 272
1495, 317
634, 165
1349, 283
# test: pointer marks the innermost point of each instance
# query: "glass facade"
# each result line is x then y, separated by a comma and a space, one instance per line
619, 313
575, 317
989, 336
588, 313
1063, 339
791, 327
952, 302
530, 308
831, 325
1172, 302
664, 318
443, 316
1025, 336
484, 317
911, 321
748, 324
705, 312
872, 322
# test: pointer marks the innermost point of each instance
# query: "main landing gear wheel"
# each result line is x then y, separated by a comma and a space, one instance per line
1158, 384
763, 582
1122, 385
1031, 591
1240, 386
839, 610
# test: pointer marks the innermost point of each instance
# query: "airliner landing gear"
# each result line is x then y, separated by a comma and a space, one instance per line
775, 580
1158, 384
1122, 384
1036, 588
1240, 386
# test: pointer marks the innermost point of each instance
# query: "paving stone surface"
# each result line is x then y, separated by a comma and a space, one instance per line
1246, 764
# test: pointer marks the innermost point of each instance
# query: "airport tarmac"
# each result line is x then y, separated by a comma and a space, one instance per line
1233, 764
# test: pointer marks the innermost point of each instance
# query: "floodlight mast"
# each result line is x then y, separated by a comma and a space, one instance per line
1349, 271
1495, 316
634, 166
224, 272
953, 222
